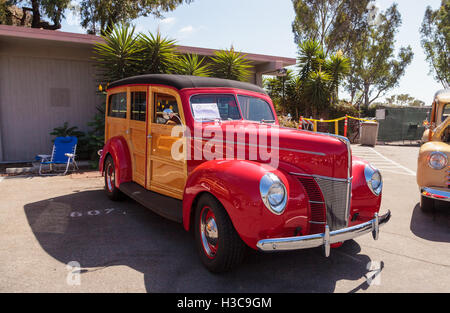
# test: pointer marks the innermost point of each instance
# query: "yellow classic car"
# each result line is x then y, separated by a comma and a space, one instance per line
433, 169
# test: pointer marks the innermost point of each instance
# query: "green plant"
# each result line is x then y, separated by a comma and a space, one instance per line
65, 130
230, 64
190, 64
435, 31
158, 53
96, 134
121, 54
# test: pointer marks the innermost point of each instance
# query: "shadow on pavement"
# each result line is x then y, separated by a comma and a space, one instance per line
434, 226
89, 228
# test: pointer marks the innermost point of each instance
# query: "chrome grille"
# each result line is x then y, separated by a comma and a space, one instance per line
336, 196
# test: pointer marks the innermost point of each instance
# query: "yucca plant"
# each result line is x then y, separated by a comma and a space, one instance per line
158, 53
230, 64
317, 90
337, 66
310, 57
121, 54
191, 64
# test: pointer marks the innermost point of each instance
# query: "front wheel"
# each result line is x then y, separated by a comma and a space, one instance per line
218, 243
426, 204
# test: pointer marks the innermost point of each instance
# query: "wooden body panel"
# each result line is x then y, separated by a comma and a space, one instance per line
150, 144
164, 174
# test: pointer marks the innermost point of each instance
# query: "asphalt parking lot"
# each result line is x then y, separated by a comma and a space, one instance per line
48, 222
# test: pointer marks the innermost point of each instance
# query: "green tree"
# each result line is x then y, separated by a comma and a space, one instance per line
314, 88
334, 24
120, 56
230, 64
435, 32
52, 9
191, 64
403, 100
375, 70
97, 16
158, 54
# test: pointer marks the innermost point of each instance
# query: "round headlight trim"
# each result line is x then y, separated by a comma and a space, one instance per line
273, 193
374, 179
437, 160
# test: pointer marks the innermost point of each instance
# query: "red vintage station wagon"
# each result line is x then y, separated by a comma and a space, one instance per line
209, 153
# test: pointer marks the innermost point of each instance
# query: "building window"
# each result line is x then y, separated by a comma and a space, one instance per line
166, 110
117, 106
138, 105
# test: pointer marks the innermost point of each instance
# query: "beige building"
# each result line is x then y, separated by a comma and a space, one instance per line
48, 78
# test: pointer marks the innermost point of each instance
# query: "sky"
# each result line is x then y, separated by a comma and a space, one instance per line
265, 27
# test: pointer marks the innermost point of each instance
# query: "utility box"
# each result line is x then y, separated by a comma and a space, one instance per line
369, 133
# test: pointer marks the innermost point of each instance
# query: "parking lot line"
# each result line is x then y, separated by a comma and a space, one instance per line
380, 161
1, 178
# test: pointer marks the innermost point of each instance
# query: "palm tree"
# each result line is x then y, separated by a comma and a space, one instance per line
230, 64
337, 66
315, 87
120, 55
190, 64
158, 53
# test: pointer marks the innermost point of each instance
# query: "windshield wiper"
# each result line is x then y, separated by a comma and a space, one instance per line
267, 121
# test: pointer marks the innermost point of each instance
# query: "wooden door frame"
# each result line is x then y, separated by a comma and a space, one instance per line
153, 90
138, 124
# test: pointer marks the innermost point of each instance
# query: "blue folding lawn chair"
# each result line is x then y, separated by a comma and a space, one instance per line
63, 152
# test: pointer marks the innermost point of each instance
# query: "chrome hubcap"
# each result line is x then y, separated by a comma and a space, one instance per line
110, 177
209, 233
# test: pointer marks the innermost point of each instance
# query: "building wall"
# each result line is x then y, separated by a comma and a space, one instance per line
41, 87
48, 78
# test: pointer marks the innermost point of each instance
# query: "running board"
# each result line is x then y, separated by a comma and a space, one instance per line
167, 207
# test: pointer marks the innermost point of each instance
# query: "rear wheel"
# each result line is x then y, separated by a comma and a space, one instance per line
426, 204
110, 180
218, 243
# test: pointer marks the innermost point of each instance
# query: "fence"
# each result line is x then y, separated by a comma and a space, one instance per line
350, 130
395, 124
399, 124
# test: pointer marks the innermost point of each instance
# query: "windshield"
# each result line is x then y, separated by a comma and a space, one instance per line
214, 106
256, 109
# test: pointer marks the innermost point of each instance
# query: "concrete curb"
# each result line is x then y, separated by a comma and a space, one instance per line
35, 168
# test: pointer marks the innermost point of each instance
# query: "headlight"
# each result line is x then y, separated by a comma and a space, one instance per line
437, 160
373, 179
273, 193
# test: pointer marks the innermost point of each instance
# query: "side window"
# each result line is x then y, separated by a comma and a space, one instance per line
255, 109
138, 105
446, 112
117, 106
166, 110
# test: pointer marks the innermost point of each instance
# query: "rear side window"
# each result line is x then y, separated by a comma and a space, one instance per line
117, 106
138, 105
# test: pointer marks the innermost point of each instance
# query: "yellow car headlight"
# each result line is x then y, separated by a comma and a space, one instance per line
437, 160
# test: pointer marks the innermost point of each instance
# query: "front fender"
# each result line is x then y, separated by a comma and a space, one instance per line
235, 183
117, 147
363, 202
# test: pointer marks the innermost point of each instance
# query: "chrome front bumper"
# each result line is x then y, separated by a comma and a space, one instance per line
325, 239
438, 194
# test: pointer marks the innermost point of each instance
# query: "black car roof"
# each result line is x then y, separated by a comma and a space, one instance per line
184, 81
